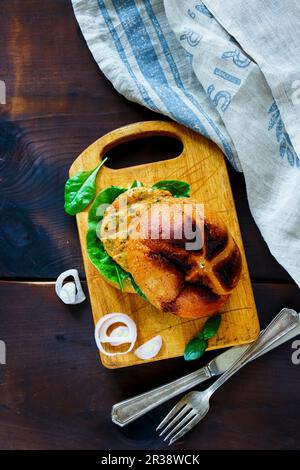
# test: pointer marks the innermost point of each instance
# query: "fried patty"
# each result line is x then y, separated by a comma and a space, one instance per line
192, 282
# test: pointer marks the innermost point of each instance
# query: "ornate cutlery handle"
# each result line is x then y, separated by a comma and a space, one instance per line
127, 411
285, 321
131, 409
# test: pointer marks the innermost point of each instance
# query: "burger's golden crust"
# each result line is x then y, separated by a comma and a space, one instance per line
187, 283
164, 282
161, 282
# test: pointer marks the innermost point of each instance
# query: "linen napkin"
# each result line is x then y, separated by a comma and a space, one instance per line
227, 69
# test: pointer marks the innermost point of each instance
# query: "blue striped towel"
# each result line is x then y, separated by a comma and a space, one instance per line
228, 69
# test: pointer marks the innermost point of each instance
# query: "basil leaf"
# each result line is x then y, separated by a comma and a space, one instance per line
95, 248
197, 346
80, 190
176, 188
136, 184
211, 327
195, 349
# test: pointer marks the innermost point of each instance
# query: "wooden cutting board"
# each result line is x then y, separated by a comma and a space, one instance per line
202, 165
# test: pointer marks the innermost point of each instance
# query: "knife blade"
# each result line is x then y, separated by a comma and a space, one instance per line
129, 410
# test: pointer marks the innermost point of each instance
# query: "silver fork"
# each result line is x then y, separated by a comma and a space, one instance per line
194, 406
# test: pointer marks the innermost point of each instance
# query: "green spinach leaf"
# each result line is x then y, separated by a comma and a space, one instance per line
176, 188
80, 190
95, 248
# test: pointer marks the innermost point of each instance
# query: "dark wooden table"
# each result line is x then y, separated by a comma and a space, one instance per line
54, 394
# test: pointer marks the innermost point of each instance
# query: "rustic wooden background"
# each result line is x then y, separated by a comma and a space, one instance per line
54, 394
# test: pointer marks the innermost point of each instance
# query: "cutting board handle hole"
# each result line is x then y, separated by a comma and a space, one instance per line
143, 150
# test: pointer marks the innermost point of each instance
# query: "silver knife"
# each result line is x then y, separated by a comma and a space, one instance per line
129, 410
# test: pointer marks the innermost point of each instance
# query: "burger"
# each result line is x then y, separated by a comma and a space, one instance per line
157, 242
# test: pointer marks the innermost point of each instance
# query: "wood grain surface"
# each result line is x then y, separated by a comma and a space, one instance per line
202, 165
54, 394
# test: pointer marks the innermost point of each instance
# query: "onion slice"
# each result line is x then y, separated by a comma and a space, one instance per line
114, 339
70, 293
149, 349
119, 335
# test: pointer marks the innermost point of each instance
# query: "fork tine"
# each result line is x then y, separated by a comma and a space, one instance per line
183, 411
172, 413
185, 429
187, 418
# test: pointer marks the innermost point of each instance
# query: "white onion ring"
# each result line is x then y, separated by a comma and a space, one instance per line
107, 323
101, 332
149, 349
119, 335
